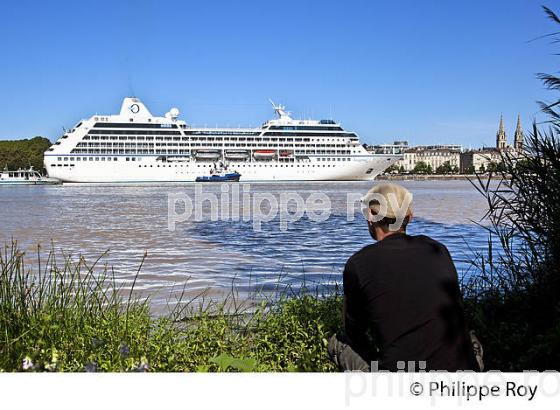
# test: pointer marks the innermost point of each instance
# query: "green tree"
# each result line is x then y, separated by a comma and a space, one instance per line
422, 168
495, 167
23, 153
444, 168
393, 169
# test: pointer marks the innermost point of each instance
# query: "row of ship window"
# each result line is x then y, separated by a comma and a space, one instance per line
327, 125
244, 165
128, 125
305, 128
91, 151
129, 132
90, 158
222, 133
210, 166
175, 144
151, 138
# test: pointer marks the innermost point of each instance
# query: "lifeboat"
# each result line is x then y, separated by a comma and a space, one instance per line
286, 154
237, 154
264, 154
207, 154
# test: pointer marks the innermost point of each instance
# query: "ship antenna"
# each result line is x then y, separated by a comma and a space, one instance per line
280, 110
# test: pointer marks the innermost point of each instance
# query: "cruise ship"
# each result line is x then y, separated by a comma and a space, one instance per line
135, 146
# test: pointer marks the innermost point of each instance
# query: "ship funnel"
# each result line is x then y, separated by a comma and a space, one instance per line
133, 107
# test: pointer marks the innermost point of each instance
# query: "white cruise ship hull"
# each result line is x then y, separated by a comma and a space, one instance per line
148, 169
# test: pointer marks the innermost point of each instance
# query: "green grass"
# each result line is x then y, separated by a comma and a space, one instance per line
71, 316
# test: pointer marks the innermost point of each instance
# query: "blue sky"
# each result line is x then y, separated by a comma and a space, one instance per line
427, 71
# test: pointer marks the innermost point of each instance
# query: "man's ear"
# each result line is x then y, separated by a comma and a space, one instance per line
370, 216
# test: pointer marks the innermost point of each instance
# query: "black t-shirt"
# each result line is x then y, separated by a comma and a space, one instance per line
405, 289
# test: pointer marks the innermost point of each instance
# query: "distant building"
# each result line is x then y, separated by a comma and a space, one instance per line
408, 162
434, 157
518, 138
454, 154
397, 147
480, 159
501, 139
452, 147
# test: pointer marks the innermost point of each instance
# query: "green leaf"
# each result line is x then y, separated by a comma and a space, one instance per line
224, 362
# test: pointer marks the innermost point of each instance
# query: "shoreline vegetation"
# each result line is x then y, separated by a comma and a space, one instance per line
514, 303
72, 316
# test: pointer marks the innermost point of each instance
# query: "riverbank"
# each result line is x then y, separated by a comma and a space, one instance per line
70, 316
431, 177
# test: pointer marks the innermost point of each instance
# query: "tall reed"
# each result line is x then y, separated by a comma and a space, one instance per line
514, 302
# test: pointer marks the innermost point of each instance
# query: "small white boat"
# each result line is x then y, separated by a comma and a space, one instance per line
25, 177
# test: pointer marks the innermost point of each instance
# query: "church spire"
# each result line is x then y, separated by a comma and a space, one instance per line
501, 141
518, 138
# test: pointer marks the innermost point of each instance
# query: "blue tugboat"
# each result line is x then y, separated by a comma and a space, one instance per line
229, 177
219, 174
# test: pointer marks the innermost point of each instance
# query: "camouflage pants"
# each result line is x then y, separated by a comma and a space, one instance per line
344, 356
347, 359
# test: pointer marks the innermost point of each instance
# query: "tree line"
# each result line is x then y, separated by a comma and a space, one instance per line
446, 168
24, 153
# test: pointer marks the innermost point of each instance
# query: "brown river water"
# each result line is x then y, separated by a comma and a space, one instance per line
128, 221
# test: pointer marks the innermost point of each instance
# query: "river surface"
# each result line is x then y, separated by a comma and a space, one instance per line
201, 253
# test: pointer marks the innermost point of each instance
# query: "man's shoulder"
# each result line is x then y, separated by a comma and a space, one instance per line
366, 252
377, 249
426, 240
372, 247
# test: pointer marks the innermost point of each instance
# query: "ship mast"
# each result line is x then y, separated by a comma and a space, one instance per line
280, 111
